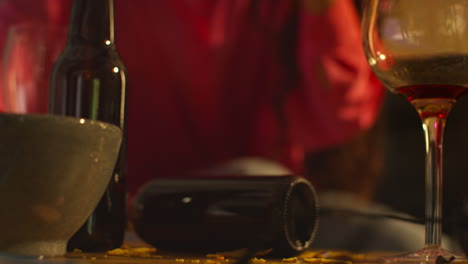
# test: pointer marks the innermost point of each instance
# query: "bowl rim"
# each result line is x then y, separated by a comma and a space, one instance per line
68, 119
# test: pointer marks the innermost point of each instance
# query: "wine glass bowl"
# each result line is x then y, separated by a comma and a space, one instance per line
419, 50
414, 43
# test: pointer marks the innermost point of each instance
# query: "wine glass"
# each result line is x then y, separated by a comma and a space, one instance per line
419, 50
29, 53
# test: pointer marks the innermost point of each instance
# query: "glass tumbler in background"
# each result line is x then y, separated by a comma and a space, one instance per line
27, 59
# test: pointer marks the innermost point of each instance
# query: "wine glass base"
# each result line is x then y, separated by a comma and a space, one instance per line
436, 255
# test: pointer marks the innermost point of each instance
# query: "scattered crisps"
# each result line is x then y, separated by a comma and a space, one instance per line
209, 261
117, 252
132, 252
335, 254
294, 259
326, 261
257, 260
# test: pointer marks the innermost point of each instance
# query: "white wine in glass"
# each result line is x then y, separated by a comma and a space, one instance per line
419, 50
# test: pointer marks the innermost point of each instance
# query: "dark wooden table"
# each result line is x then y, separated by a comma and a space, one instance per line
135, 251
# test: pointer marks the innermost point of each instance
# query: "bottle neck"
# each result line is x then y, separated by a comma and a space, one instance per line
92, 22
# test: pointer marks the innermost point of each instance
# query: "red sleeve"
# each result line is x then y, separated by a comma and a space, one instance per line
339, 95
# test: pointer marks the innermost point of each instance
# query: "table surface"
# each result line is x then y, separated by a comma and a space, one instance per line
135, 251
141, 254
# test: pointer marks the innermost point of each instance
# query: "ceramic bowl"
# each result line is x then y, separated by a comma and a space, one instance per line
53, 172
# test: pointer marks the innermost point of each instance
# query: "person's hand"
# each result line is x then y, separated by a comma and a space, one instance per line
317, 6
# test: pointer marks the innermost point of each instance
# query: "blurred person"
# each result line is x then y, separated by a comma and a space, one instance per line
211, 81
265, 79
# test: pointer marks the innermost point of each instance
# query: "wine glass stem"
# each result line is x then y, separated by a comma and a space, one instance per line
434, 132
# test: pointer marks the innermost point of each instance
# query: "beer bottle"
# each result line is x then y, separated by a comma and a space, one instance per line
88, 80
224, 213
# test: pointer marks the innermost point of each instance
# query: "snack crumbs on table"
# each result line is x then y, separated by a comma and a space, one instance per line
209, 261
257, 260
326, 260
132, 252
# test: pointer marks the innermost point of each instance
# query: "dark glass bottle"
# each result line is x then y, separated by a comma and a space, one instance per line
89, 80
209, 215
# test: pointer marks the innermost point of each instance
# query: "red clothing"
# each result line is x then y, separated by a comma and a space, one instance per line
214, 80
